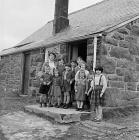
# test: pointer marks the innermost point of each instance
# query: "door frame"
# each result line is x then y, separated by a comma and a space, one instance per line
23, 70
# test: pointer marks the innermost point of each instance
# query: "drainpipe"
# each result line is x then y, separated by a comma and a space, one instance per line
95, 51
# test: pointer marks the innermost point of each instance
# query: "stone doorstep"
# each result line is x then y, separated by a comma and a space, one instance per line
57, 114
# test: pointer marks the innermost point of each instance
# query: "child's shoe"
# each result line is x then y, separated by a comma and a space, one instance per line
40, 104
45, 104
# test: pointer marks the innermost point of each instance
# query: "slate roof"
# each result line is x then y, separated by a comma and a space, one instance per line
90, 20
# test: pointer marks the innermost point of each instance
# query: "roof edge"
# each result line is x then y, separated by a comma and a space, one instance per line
110, 29
121, 24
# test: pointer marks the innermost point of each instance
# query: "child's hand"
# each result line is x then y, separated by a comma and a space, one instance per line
44, 83
41, 79
75, 90
86, 93
48, 83
70, 82
101, 94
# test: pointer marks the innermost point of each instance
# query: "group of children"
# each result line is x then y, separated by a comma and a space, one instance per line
70, 83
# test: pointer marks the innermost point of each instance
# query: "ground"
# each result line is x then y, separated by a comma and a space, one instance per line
15, 124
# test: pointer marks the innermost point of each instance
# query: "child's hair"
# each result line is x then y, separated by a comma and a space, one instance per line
68, 65
99, 68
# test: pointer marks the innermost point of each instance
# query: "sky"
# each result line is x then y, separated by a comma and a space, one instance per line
20, 18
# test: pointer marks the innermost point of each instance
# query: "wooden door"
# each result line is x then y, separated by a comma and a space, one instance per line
26, 71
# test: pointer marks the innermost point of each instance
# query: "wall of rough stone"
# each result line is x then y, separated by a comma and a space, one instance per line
37, 59
11, 73
36, 62
120, 59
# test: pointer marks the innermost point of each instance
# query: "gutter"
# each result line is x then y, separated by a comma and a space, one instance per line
44, 44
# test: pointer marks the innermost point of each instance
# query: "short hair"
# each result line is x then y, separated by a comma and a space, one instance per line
100, 68
67, 65
74, 61
52, 53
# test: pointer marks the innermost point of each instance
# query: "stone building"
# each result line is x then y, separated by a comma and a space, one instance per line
106, 33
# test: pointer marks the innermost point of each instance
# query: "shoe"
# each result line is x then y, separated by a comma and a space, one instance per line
81, 109
66, 106
97, 120
77, 109
40, 104
58, 106
63, 105
45, 105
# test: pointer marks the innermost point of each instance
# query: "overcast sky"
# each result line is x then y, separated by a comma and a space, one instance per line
20, 18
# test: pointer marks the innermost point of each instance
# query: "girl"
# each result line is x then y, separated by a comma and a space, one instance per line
98, 85
56, 89
81, 89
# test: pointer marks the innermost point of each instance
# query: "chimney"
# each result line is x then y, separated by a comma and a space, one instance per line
61, 16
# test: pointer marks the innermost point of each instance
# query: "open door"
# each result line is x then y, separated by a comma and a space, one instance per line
78, 48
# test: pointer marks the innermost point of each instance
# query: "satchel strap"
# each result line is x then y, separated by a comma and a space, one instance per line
100, 79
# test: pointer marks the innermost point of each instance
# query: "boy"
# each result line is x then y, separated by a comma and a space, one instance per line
66, 79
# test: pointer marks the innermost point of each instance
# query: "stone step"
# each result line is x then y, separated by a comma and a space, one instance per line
58, 114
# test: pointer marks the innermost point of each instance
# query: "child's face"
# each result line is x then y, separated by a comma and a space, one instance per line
98, 72
67, 68
73, 64
61, 62
79, 61
47, 69
83, 66
56, 73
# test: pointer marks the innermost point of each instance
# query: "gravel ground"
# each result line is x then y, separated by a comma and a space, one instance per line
11, 109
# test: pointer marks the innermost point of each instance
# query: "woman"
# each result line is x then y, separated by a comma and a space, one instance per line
51, 62
98, 87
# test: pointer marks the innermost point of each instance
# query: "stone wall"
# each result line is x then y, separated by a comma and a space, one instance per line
11, 73
37, 59
120, 59
36, 62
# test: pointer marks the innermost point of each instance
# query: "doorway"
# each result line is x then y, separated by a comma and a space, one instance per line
26, 69
78, 49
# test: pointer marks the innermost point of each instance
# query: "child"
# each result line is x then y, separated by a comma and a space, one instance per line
56, 89
98, 85
88, 97
72, 93
60, 66
46, 80
79, 61
67, 77
81, 89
